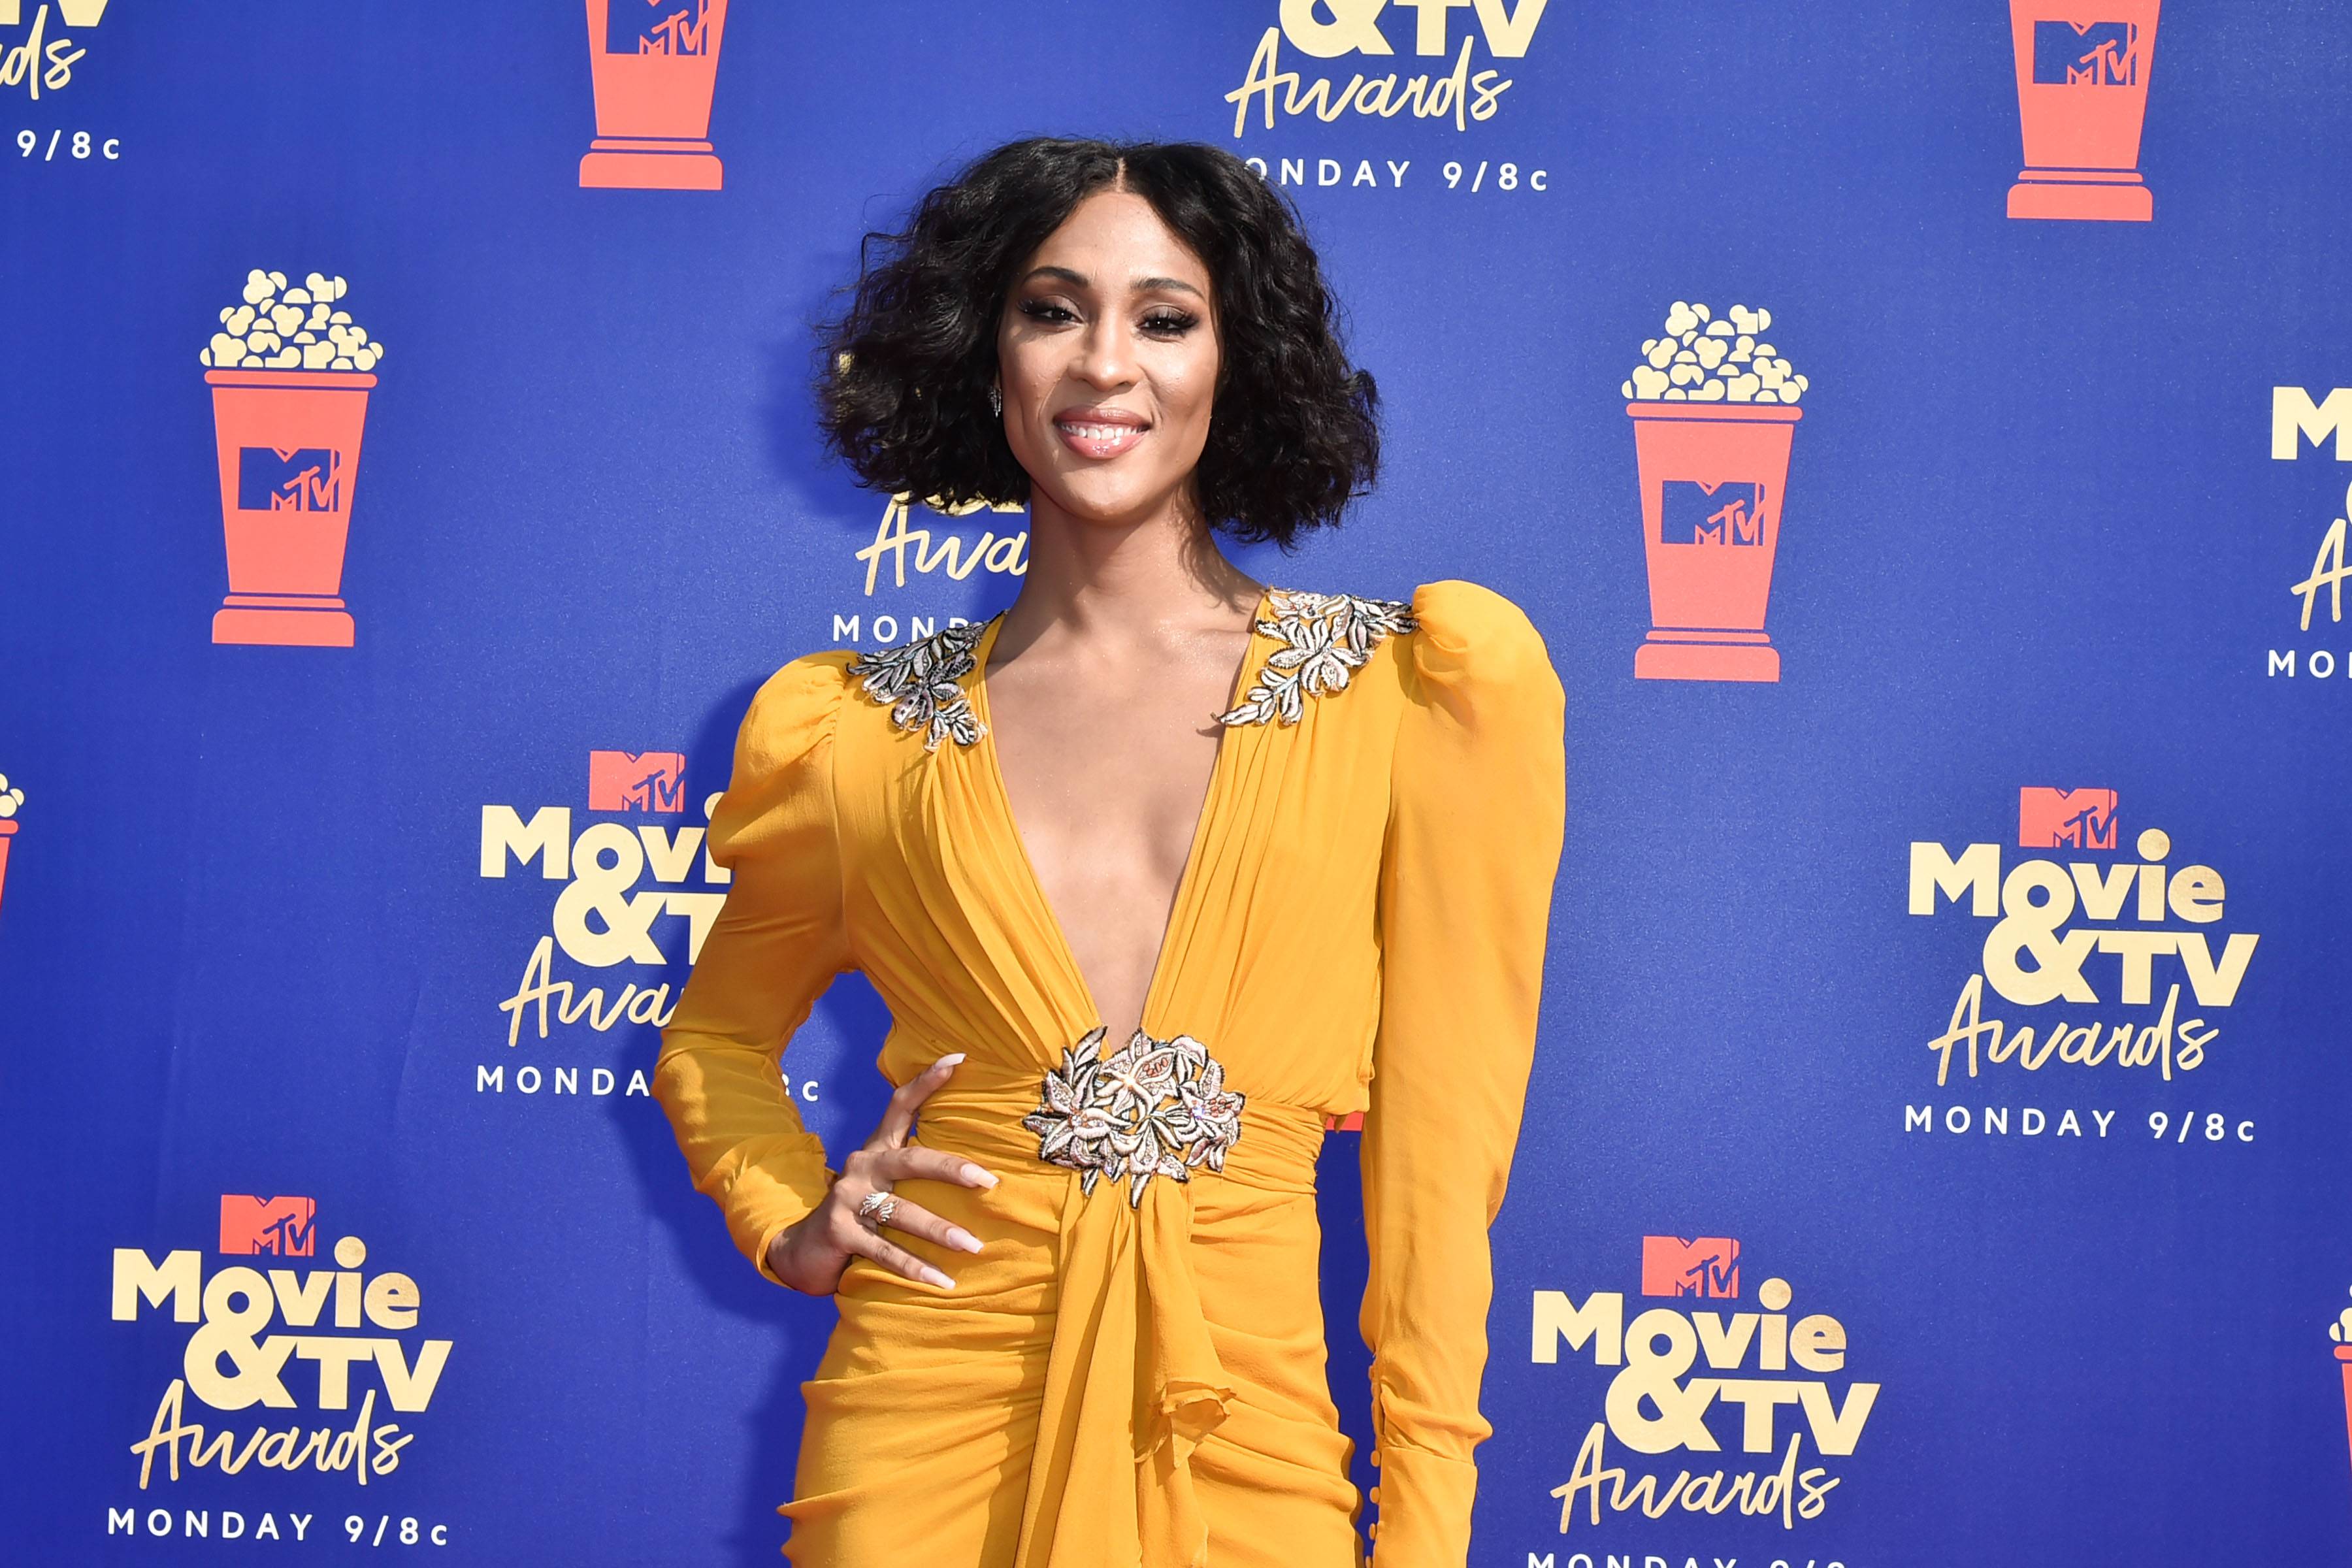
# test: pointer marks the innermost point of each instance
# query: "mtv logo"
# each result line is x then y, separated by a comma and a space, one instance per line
308, 478
278, 1227
1730, 513
1697, 1265
682, 27
2098, 54
2065, 818
637, 781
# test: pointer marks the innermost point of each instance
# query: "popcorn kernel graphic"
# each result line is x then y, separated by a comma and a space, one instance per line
1704, 358
289, 371
281, 328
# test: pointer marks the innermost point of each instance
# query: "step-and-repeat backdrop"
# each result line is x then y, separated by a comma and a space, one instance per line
1921, 432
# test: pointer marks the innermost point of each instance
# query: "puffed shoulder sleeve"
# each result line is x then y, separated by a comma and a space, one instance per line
1475, 828
776, 945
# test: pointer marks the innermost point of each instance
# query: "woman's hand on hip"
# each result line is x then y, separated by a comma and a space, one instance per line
813, 1254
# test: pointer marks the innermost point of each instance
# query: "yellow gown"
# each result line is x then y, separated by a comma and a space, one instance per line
1131, 1374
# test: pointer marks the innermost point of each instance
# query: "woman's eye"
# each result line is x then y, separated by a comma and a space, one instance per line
1173, 322
1044, 310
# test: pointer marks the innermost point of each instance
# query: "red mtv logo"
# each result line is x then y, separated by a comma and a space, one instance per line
2065, 818
1694, 1266
637, 781
279, 1228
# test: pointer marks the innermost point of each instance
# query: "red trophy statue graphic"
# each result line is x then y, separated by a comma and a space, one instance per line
653, 64
2340, 1331
1713, 411
289, 373
2082, 92
11, 801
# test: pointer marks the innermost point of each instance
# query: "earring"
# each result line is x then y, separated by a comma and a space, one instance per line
995, 399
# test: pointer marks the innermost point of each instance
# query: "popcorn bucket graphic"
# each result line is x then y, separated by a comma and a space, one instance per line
12, 799
2083, 68
1712, 476
653, 100
289, 458
2343, 1352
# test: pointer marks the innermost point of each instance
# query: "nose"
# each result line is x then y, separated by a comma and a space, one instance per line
1105, 358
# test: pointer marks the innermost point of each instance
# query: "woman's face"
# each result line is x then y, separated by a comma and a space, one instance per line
1107, 354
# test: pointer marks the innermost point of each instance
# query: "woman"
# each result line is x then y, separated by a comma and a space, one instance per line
1157, 870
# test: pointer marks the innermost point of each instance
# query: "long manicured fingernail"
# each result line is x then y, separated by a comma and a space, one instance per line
950, 1061
978, 1177
964, 1239
934, 1276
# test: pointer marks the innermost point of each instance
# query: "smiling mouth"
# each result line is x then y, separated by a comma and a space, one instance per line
1099, 438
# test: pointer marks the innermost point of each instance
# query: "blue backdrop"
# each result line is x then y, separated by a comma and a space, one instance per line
277, 923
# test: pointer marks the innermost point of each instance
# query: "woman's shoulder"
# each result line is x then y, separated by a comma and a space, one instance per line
806, 687
1452, 639
781, 788
1456, 613
794, 711
1464, 633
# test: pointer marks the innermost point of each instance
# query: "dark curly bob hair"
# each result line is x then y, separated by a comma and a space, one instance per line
902, 377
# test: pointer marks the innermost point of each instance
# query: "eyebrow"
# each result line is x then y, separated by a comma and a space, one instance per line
1079, 280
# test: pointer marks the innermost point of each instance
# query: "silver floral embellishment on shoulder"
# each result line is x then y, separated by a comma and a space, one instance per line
922, 680
1326, 638
1152, 1108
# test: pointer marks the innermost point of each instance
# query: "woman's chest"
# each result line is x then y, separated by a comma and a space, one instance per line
1263, 930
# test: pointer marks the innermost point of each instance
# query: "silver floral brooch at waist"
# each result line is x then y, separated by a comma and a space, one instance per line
923, 681
1326, 638
1152, 1108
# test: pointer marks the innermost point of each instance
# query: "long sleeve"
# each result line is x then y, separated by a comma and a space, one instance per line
1475, 832
776, 945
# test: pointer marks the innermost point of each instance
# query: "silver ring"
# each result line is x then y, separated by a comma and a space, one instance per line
875, 1209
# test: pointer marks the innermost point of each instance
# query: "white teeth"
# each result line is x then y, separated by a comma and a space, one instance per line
1100, 432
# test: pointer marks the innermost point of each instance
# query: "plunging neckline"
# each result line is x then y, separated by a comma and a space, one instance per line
991, 770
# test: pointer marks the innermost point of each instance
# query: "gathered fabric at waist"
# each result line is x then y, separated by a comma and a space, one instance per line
1133, 1381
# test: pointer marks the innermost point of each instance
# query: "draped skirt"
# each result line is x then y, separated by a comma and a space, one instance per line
1108, 1385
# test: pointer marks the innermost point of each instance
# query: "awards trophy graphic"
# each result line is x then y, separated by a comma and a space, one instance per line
290, 372
652, 75
2343, 1365
11, 801
1714, 409
2081, 95
2340, 1331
